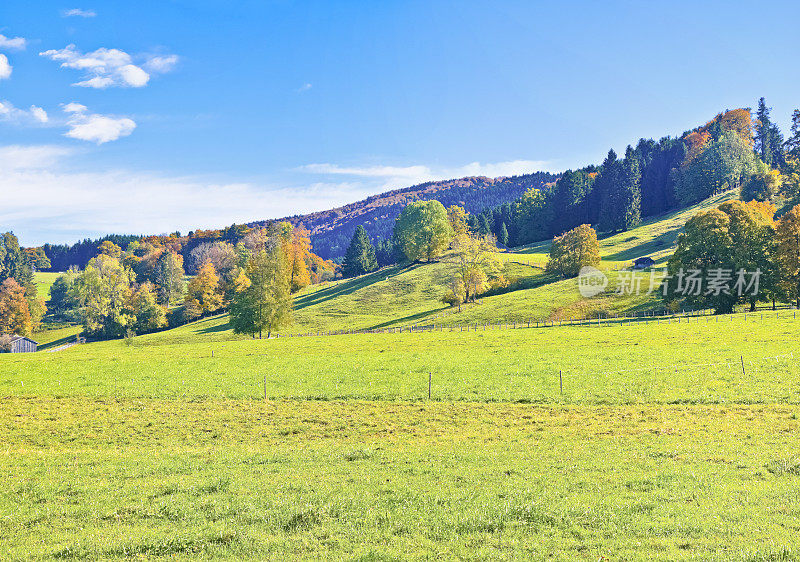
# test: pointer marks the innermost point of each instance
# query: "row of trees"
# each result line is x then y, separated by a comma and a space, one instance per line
21, 308
141, 289
735, 239
735, 150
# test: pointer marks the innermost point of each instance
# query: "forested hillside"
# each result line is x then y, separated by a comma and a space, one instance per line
332, 230
735, 150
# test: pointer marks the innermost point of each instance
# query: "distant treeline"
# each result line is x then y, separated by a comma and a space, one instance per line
332, 231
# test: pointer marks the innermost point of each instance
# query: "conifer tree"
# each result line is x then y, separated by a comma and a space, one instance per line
792, 144
360, 256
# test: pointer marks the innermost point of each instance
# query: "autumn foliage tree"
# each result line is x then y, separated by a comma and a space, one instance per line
788, 254
573, 250
475, 261
203, 293
15, 317
263, 297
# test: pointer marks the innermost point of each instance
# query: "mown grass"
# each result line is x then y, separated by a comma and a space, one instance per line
92, 479
647, 362
44, 280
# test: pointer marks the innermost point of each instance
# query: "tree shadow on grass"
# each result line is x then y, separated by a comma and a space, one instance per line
350, 286
396, 322
657, 244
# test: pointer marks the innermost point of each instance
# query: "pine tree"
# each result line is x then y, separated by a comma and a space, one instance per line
360, 256
503, 234
768, 137
792, 144
484, 227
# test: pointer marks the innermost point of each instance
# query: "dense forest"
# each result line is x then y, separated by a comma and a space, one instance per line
735, 150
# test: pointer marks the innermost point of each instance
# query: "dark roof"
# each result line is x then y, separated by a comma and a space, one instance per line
645, 258
16, 338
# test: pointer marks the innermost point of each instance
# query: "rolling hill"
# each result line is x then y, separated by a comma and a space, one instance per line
332, 230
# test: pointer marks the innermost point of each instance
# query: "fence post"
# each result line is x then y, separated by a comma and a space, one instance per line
430, 377
265, 388
742, 358
560, 382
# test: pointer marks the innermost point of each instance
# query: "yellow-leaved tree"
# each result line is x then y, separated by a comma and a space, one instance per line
203, 293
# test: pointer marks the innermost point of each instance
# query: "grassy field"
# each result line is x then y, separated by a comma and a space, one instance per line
658, 448
396, 481
658, 439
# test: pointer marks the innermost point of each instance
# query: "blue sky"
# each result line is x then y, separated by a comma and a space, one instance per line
152, 116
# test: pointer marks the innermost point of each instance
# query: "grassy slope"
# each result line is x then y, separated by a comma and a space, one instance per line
401, 296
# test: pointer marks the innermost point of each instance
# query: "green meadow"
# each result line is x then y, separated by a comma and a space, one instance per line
479, 437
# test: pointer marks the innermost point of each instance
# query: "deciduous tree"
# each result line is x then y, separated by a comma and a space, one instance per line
423, 230
573, 250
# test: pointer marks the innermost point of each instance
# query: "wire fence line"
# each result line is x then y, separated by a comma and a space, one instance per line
732, 380
601, 321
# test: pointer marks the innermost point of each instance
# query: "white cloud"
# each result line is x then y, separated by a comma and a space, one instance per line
105, 68
17, 43
17, 157
304, 88
94, 127
62, 205
74, 108
39, 114
403, 176
77, 12
35, 115
160, 64
5, 68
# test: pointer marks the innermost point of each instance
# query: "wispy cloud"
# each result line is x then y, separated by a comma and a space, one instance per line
77, 12
63, 205
106, 68
34, 115
15, 44
35, 157
93, 127
304, 88
391, 177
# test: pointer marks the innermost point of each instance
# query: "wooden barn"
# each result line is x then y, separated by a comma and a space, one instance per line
20, 344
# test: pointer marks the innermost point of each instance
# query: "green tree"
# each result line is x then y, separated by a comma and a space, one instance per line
263, 300
792, 144
103, 292
534, 217
573, 250
169, 276
719, 243
721, 164
423, 230
619, 182
149, 314
763, 185
503, 234
360, 257
768, 138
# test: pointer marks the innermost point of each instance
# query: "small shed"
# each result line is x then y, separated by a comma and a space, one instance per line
21, 344
643, 263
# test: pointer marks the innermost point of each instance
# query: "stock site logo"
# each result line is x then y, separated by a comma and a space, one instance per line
591, 281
